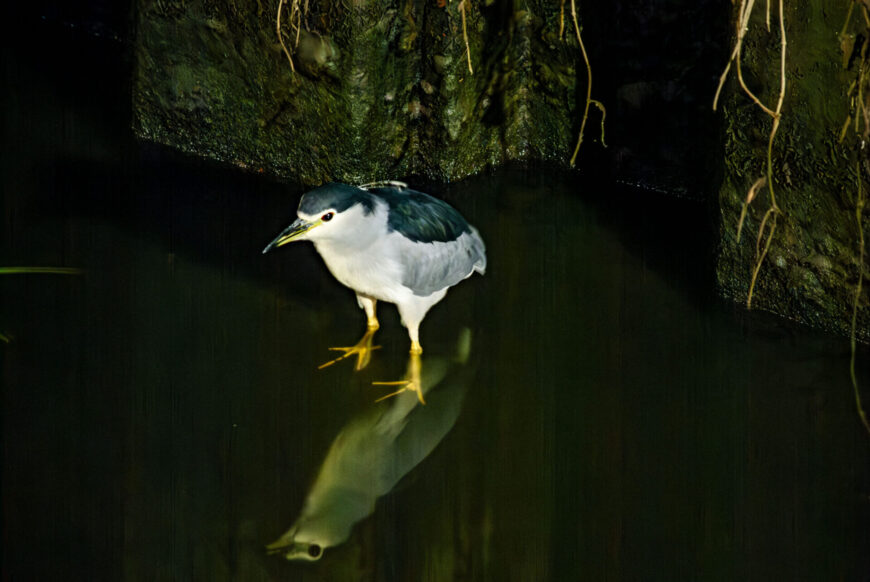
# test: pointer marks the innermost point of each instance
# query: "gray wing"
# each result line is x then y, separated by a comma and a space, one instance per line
431, 267
420, 217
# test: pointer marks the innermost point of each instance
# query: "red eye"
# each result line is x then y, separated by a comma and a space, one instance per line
327, 217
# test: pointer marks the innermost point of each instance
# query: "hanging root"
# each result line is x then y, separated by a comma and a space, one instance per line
859, 210
280, 34
294, 22
465, 36
743, 15
860, 113
750, 196
759, 260
589, 99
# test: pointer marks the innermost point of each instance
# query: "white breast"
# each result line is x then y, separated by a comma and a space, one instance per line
367, 263
371, 271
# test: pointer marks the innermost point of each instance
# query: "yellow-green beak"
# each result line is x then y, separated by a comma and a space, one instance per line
292, 232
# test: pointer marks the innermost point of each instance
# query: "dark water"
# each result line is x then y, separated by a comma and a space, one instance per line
163, 418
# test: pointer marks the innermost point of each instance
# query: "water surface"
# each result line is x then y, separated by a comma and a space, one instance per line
163, 417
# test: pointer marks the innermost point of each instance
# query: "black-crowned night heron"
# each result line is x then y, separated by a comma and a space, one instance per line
388, 243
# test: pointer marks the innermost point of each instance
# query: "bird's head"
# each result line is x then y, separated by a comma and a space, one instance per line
326, 521
331, 212
293, 548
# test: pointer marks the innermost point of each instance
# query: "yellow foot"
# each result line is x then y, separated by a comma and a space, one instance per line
363, 351
411, 383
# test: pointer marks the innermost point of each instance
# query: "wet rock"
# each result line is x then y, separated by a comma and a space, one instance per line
381, 89
811, 271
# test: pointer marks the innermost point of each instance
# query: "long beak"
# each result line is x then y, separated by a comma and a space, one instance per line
288, 547
292, 232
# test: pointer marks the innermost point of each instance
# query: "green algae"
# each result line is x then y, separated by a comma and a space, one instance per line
810, 272
382, 88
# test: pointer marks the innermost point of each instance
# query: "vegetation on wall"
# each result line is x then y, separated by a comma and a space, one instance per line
292, 16
810, 262
589, 100
744, 14
854, 40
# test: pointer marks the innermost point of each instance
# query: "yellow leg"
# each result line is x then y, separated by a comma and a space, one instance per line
411, 383
363, 349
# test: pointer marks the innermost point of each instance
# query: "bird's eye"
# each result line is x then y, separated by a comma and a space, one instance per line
327, 217
314, 551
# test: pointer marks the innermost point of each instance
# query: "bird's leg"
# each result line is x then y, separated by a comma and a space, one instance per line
370, 305
414, 334
411, 383
363, 348
412, 378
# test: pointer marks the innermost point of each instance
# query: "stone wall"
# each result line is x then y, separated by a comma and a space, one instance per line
811, 270
381, 89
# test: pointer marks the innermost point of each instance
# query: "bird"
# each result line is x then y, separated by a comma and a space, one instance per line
388, 243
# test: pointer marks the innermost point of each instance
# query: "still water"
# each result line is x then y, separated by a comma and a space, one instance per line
592, 412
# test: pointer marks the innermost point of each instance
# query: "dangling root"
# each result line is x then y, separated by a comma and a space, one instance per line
859, 209
281, 4
465, 37
742, 27
589, 99
295, 20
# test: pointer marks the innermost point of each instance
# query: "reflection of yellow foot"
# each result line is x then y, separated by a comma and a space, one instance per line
411, 383
363, 351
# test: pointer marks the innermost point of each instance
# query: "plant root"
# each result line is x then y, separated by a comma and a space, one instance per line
859, 210
465, 36
589, 99
744, 13
280, 34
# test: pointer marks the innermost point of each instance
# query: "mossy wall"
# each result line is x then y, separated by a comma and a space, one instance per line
382, 88
811, 271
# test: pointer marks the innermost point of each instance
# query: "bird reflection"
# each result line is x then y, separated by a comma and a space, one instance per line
372, 453
411, 382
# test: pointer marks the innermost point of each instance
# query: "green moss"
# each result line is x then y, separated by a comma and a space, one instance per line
816, 240
382, 88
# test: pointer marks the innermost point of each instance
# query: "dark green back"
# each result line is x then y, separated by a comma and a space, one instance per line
420, 217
